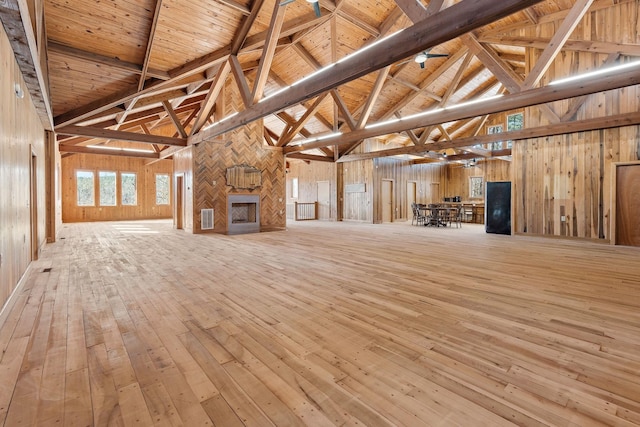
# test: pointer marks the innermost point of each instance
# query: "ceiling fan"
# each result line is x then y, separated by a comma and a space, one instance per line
470, 163
316, 5
422, 57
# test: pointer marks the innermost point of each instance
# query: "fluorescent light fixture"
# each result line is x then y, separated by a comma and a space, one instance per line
367, 47
424, 113
104, 147
377, 125
271, 95
228, 117
327, 136
595, 73
474, 101
316, 139
220, 121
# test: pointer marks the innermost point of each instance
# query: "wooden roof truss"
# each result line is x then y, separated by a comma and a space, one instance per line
302, 74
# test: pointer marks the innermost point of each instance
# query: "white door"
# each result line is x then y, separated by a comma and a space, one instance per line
324, 200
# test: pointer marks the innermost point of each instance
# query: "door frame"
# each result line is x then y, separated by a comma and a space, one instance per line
392, 199
614, 197
178, 210
318, 199
415, 198
33, 205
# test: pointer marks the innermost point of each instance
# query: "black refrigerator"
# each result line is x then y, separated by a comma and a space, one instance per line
497, 208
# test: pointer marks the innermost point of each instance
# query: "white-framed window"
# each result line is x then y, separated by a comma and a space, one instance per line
128, 185
85, 188
514, 122
496, 145
162, 189
476, 187
107, 182
294, 188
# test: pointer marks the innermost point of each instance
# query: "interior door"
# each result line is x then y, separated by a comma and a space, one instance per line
179, 204
34, 207
411, 198
324, 200
387, 200
628, 205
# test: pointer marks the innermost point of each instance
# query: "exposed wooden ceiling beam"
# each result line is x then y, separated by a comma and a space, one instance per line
373, 97
610, 79
450, 23
242, 32
299, 125
120, 135
311, 157
570, 45
543, 63
107, 152
503, 72
627, 119
72, 52
450, 62
207, 105
174, 119
150, 40
277, 19
183, 72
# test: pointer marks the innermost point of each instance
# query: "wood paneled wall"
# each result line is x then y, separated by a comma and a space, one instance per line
571, 175
22, 143
308, 175
358, 206
183, 166
146, 207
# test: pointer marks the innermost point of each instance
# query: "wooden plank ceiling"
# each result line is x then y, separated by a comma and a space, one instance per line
146, 74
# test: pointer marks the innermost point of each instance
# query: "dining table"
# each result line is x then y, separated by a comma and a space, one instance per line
437, 215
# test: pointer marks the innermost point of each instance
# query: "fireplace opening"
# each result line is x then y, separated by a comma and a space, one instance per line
243, 213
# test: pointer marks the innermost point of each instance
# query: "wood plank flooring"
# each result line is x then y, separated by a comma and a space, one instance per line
325, 324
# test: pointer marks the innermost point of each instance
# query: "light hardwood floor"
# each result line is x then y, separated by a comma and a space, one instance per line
323, 324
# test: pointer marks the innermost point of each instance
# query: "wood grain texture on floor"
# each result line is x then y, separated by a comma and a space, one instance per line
324, 324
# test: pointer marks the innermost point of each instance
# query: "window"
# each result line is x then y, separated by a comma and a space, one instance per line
85, 188
476, 187
294, 188
162, 189
107, 188
128, 184
497, 145
514, 122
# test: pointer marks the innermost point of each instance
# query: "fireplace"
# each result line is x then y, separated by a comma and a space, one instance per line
243, 213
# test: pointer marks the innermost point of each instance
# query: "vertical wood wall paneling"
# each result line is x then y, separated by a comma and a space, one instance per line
183, 165
146, 207
308, 175
21, 135
570, 176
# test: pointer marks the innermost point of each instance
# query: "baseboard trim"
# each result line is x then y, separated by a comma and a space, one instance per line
6, 308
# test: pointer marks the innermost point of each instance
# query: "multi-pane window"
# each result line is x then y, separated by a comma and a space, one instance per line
107, 188
162, 189
476, 187
85, 188
514, 122
497, 145
129, 193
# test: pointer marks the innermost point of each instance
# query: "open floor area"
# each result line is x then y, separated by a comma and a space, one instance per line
324, 324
